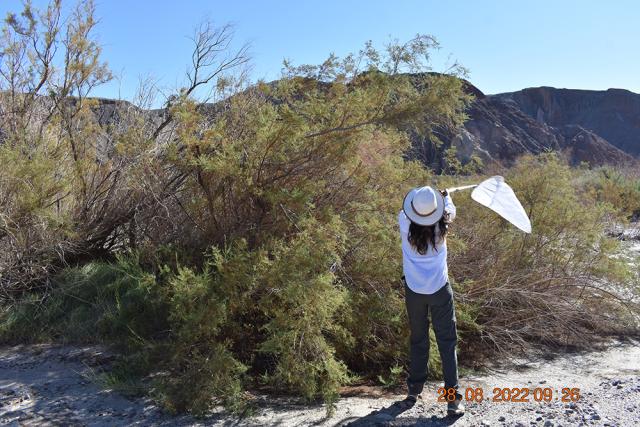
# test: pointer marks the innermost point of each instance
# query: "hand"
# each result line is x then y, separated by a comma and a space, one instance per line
444, 192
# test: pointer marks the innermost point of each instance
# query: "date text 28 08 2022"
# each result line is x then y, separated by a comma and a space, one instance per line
512, 394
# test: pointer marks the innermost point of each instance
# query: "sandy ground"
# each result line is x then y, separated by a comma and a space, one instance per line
50, 385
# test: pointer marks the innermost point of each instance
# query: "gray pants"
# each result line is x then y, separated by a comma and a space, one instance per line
443, 317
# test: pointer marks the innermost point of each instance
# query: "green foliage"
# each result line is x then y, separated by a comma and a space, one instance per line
395, 377
63, 193
303, 301
201, 364
118, 302
618, 187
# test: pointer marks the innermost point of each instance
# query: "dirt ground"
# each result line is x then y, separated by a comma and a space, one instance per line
50, 385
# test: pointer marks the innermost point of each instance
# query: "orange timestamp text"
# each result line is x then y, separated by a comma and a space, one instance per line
512, 394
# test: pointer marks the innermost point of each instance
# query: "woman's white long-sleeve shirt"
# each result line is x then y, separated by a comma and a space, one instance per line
425, 274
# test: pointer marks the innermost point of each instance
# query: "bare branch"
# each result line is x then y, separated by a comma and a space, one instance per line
211, 58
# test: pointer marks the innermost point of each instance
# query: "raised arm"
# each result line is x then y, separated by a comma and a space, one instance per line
449, 207
403, 222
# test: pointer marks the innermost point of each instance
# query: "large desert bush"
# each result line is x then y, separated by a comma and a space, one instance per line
66, 193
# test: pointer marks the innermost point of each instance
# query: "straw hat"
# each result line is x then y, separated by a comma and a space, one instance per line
424, 205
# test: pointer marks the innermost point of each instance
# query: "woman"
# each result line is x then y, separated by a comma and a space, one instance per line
424, 220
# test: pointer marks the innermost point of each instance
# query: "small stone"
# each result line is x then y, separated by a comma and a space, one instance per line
539, 419
548, 424
568, 411
619, 386
485, 423
502, 418
595, 417
543, 382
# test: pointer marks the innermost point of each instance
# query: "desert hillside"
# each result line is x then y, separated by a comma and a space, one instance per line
596, 127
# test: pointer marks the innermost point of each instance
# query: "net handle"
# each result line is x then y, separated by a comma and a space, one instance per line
464, 187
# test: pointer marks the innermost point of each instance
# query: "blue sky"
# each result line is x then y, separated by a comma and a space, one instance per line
506, 45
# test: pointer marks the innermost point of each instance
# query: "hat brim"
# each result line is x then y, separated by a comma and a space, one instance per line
423, 219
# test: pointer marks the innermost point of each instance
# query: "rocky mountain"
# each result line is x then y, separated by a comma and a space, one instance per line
598, 127
613, 114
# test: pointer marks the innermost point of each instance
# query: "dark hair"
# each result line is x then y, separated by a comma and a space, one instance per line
420, 236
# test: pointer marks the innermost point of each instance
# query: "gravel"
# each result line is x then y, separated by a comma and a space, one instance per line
52, 385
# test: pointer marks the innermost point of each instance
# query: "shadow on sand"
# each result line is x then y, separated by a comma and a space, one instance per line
387, 416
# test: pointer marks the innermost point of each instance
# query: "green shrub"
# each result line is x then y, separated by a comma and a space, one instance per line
201, 365
303, 302
618, 187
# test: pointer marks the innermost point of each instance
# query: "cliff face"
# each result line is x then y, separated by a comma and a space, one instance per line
590, 126
505, 132
613, 115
